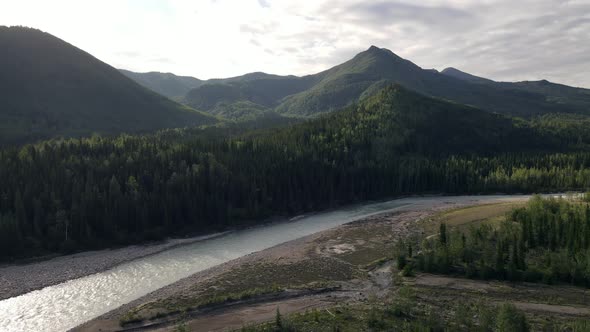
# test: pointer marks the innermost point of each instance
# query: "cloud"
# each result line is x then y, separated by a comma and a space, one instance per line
162, 60
129, 54
384, 13
500, 39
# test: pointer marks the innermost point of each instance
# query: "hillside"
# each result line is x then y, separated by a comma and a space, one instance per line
50, 88
375, 67
236, 98
261, 93
166, 84
396, 121
558, 95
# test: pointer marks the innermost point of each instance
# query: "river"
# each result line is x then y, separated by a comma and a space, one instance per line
69, 304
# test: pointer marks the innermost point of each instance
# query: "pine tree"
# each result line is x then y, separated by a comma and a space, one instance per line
443, 234
278, 320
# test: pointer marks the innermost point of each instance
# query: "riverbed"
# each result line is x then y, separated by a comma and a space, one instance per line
66, 305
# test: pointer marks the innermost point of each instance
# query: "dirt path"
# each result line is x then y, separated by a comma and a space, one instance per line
534, 298
229, 320
552, 308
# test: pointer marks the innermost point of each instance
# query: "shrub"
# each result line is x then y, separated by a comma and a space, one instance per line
511, 319
401, 262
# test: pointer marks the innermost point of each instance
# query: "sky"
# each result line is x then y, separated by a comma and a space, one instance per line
507, 40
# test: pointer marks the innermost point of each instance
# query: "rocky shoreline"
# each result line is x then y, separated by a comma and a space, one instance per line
16, 280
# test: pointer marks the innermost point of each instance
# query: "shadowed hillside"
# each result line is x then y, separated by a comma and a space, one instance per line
50, 88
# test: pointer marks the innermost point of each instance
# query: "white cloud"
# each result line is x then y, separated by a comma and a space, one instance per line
500, 39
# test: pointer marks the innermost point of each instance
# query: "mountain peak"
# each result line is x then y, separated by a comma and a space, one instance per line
378, 50
380, 54
451, 70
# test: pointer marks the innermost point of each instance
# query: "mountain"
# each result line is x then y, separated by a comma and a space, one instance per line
263, 93
367, 73
166, 84
238, 98
50, 88
376, 67
397, 121
555, 94
456, 73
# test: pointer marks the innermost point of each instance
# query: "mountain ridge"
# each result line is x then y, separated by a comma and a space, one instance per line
372, 69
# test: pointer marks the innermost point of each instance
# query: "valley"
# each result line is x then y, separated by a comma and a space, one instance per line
369, 194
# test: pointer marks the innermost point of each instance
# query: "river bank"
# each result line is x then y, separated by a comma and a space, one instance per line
16, 280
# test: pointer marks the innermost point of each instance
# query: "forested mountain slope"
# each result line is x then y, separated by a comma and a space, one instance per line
263, 93
372, 69
571, 98
94, 192
50, 88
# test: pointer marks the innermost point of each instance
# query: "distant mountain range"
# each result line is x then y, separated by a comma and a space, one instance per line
50, 88
360, 77
166, 84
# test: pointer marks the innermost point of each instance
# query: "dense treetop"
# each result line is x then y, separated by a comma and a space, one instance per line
93, 192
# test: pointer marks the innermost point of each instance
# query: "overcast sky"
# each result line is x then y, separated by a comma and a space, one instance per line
500, 39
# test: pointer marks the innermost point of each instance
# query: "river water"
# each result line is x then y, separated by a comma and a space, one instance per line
69, 304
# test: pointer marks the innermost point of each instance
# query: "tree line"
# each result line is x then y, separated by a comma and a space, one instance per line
548, 241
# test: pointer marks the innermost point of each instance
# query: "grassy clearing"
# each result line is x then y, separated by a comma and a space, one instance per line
471, 215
